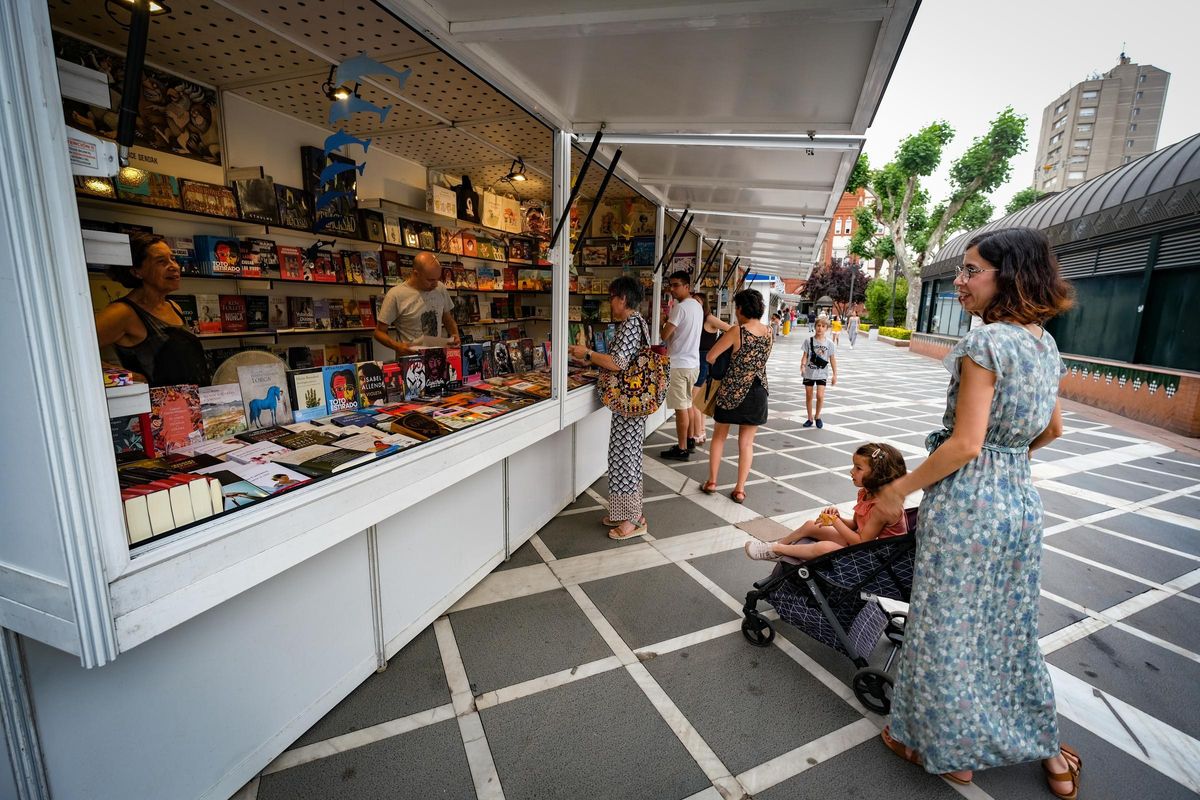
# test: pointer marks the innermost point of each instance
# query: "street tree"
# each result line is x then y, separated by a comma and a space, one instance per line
901, 206
834, 281
1023, 199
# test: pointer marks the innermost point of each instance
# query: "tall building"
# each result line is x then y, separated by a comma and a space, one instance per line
841, 229
1099, 124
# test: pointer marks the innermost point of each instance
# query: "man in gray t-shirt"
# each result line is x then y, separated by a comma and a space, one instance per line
419, 310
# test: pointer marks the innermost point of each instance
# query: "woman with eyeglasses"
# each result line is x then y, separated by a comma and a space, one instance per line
972, 690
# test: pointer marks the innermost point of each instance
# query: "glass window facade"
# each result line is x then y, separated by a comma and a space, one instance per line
941, 312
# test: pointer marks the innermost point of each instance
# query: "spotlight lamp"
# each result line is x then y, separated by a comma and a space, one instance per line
516, 171
156, 7
336, 93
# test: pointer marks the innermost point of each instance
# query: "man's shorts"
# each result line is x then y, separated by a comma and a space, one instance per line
814, 381
679, 390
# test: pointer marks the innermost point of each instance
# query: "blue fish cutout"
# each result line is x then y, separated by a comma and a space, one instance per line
338, 168
342, 139
330, 197
353, 69
342, 109
322, 223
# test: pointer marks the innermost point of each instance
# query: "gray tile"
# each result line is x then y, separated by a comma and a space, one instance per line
414, 681
650, 487
698, 471
653, 605
1176, 537
1188, 506
777, 465
1054, 616
826, 457
911, 439
780, 424
1089, 586
832, 489
598, 738
1078, 448
516, 640
578, 534
1110, 487
1050, 454
1132, 557
749, 704
1108, 773
840, 419
1164, 483
869, 770
1103, 442
912, 426
815, 435
1173, 466
525, 556
733, 572
778, 441
679, 515
584, 500
1068, 506
1152, 679
874, 430
428, 762
771, 498
1173, 619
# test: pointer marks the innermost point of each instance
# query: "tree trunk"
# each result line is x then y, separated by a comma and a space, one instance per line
913, 302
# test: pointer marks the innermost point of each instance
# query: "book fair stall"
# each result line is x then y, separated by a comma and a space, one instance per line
254, 467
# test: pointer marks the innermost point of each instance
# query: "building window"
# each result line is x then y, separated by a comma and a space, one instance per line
1091, 94
1061, 107
1075, 175
1129, 144
1133, 127
1082, 144
1136, 111
1138, 95
1056, 138
1142, 78
1083, 127
1060, 122
837, 226
1085, 113
1078, 159
1053, 154
848, 221
1126, 159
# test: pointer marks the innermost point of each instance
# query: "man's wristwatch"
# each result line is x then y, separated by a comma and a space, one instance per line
587, 356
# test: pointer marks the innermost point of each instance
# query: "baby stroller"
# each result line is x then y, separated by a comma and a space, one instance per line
835, 600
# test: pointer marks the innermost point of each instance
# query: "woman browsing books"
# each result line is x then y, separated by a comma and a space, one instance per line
145, 326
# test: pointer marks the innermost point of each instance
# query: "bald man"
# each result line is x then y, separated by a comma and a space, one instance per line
418, 310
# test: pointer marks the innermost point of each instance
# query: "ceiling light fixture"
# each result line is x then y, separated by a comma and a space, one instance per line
157, 8
336, 93
801, 218
516, 171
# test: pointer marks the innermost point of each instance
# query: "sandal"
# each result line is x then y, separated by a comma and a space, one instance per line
709, 487
737, 496
1074, 766
641, 530
911, 756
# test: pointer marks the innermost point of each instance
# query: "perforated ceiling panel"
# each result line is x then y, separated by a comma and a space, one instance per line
302, 98
440, 147
440, 83
342, 28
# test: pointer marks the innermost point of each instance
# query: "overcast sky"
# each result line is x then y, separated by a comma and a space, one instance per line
964, 60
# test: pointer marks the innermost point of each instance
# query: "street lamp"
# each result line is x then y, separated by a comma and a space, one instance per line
853, 269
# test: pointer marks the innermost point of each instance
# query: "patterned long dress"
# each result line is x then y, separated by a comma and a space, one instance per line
627, 434
972, 690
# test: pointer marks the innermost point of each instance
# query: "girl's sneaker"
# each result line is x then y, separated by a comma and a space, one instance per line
759, 550
819, 423
808, 424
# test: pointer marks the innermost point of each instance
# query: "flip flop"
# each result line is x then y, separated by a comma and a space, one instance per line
709, 487
1071, 775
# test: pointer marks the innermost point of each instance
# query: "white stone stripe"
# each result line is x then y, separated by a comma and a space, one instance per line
479, 758
359, 738
540, 547
1101, 565
1168, 750
552, 681
701, 543
729, 600
710, 793
792, 763
1162, 515
456, 673
509, 584
602, 626
607, 563
714, 769
688, 640
1097, 620
820, 673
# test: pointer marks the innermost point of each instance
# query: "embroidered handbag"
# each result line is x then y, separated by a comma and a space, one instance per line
640, 388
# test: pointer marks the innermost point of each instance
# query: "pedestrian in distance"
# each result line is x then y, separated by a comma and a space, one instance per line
818, 367
837, 328
852, 328
812, 321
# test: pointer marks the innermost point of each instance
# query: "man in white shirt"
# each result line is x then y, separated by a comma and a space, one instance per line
682, 335
418, 310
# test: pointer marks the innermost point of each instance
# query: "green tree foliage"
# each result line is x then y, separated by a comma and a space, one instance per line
1024, 199
901, 208
834, 280
879, 292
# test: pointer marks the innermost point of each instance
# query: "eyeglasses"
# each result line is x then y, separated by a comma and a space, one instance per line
972, 271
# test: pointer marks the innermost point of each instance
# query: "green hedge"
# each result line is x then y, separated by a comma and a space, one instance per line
863, 327
895, 333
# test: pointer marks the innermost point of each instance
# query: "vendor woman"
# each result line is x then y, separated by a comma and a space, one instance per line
147, 328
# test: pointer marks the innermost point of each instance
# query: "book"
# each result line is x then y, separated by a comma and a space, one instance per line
488, 279
454, 369
221, 410
520, 250
354, 266
339, 217
526, 348
426, 236
175, 419
132, 436
413, 369
148, 188
366, 311
393, 382
372, 269
371, 224
487, 363
264, 434
371, 391
372, 440
257, 201
322, 266
233, 313
208, 198
337, 312
294, 207
264, 395
434, 359
539, 355
258, 258
301, 439
291, 262
277, 312
300, 312
258, 453
502, 354
341, 387
183, 248
307, 387
239, 492
389, 262
269, 476
258, 312
218, 255
187, 311
472, 363
322, 314
333, 461
215, 447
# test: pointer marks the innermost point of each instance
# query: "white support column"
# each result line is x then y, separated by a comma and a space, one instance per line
699, 257
660, 226
718, 308
561, 276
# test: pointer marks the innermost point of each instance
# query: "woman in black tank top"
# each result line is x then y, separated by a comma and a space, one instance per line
146, 327
709, 333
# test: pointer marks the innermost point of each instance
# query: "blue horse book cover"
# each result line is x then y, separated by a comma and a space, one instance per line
265, 395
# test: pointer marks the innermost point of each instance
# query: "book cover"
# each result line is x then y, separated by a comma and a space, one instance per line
434, 359
340, 217
390, 266
208, 313
301, 439
291, 262
526, 347
295, 209
240, 492
392, 232
322, 317
520, 250
300, 312
258, 258
502, 358
258, 312
175, 419
233, 313
516, 356
264, 395
322, 268
352, 311
334, 461
148, 188
183, 248
509, 278
264, 434
488, 279
299, 357
133, 437
187, 311
371, 225
538, 354
341, 387
367, 311
393, 382
307, 388
371, 391
259, 452
454, 369
218, 255
277, 312
487, 362
337, 312
413, 369
354, 266
426, 236
221, 410
256, 200
208, 198
472, 363
333, 354
372, 266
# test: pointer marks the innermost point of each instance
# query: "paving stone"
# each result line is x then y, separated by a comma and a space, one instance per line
1172, 619
1054, 616
771, 498
1090, 587
698, 471
679, 515
777, 465
1173, 467
1069, 506
778, 441
1109, 487
826, 457
579, 534
524, 556
1156, 479
733, 572
1188, 506
829, 488
1176, 537
1132, 557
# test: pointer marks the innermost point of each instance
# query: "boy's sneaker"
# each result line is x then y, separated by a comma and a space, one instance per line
759, 550
820, 424
675, 454
808, 424
691, 445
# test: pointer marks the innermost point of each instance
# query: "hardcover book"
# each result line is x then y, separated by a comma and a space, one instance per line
469, 245
371, 391
133, 437
322, 314
258, 258
413, 369
472, 363
258, 312
538, 354
208, 313
454, 369
233, 313
175, 419
393, 382
502, 358
258, 453
337, 312
183, 248
294, 206
322, 268
277, 312
264, 395
301, 439
333, 461
218, 255
426, 237
390, 264
264, 434
256, 200
300, 312
208, 198
487, 364
221, 410
366, 311
392, 232
434, 359
291, 262
307, 387
521, 251
516, 356
488, 279
510, 279
410, 234
341, 387
148, 188
372, 268
187, 311
372, 225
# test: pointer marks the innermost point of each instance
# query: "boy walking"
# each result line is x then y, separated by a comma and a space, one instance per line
818, 366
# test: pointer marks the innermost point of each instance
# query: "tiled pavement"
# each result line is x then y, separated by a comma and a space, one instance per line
585, 668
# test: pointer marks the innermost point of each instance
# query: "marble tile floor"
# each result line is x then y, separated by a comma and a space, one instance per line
585, 668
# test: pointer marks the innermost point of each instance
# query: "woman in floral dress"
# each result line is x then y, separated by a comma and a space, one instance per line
972, 690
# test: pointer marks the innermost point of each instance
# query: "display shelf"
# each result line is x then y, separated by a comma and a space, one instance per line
235, 334
125, 401
303, 331
100, 273
490, 322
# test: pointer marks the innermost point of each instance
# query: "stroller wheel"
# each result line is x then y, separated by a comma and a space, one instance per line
757, 630
873, 688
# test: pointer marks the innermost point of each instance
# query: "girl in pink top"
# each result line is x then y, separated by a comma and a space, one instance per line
875, 465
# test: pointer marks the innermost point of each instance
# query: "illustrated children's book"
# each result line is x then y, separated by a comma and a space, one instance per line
264, 395
341, 387
308, 394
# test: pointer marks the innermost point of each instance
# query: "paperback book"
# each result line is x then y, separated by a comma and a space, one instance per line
175, 418
341, 387
258, 312
413, 369
434, 359
257, 201
295, 209
221, 410
393, 382
264, 395
218, 255
300, 312
307, 387
233, 313
371, 390
291, 262
187, 311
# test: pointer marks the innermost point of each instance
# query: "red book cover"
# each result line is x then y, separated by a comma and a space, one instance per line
468, 245
233, 313
291, 262
175, 418
366, 310
323, 271
510, 279
454, 368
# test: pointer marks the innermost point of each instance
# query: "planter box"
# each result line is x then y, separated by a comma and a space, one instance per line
893, 342
872, 334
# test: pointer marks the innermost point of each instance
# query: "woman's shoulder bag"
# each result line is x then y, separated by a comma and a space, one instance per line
640, 388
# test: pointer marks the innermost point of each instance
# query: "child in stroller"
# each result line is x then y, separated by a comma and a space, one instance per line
875, 465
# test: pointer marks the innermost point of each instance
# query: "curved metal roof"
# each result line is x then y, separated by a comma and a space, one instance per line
1157, 172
